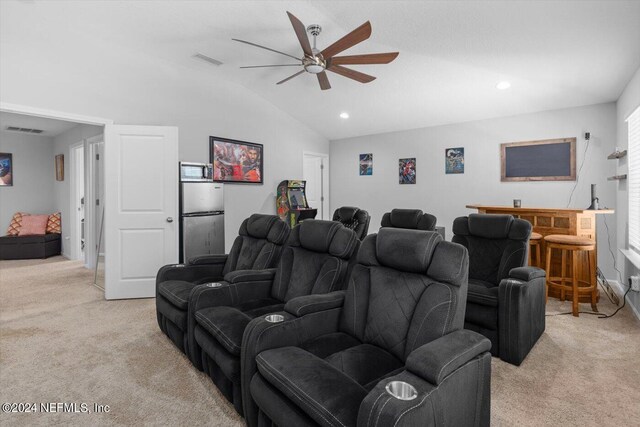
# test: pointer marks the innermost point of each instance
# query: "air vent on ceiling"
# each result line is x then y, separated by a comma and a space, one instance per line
25, 130
208, 59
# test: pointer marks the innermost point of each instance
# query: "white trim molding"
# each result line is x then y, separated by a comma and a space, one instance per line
51, 114
632, 256
620, 290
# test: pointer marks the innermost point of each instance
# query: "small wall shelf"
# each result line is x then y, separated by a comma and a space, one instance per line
617, 177
617, 155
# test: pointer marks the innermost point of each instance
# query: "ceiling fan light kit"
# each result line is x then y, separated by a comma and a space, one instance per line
317, 62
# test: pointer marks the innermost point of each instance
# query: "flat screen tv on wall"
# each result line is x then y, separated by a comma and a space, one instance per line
546, 160
236, 161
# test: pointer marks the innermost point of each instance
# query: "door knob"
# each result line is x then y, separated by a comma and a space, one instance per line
169, 219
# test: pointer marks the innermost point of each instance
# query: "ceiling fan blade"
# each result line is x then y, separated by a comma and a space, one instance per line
301, 32
323, 80
267, 48
279, 65
290, 77
352, 74
356, 36
371, 58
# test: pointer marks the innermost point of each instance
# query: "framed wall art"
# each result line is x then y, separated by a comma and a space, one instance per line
407, 171
366, 164
454, 160
6, 169
60, 167
236, 161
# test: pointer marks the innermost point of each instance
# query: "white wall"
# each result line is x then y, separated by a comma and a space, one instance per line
445, 196
627, 103
129, 87
33, 176
62, 189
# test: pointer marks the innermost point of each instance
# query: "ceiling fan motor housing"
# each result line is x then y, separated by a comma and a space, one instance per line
314, 29
315, 64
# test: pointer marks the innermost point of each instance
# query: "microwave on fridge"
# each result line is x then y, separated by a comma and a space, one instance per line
196, 172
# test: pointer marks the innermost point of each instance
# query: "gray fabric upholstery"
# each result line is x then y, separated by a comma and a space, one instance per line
395, 249
257, 247
314, 262
258, 244
249, 275
506, 299
353, 218
436, 360
311, 303
294, 372
177, 292
321, 372
413, 219
461, 399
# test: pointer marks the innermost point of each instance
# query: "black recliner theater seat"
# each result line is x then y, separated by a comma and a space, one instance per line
411, 219
353, 218
506, 298
330, 360
316, 260
257, 247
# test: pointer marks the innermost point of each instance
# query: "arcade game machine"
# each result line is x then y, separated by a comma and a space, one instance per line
291, 202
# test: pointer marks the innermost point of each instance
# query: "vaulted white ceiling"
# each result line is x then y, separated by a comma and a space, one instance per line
556, 54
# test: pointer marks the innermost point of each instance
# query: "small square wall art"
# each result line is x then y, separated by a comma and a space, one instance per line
407, 171
6, 170
366, 164
454, 160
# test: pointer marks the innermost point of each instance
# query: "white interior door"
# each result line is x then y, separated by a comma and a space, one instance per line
316, 173
141, 207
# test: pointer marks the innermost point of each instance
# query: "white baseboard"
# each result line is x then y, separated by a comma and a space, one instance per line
620, 290
66, 255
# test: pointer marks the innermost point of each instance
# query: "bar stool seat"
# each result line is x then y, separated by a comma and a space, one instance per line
572, 283
534, 243
569, 240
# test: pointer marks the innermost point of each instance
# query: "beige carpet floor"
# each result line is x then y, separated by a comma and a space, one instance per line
60, 341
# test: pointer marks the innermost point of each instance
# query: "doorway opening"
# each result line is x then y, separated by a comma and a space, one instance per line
316, 173
68, 189
77, 201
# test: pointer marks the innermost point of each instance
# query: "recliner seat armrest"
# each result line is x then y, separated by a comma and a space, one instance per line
261, 335
208, 259
526, 274
196, 274
434, 361
229, 294
307, 304
240, 276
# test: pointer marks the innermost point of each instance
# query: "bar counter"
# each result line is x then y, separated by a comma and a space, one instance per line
575, 222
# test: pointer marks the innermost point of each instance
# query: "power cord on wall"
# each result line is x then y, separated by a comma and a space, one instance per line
604, 283
606, 287
587, 137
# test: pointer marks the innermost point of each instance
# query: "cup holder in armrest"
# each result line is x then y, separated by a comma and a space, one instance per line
402, 390
274, 318
213, 285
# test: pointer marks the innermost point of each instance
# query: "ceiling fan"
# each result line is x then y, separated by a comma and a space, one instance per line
317, 62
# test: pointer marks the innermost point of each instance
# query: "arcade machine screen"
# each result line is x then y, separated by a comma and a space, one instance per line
296, 196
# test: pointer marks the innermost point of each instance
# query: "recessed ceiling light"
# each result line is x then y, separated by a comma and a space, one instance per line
503, 85
344, 115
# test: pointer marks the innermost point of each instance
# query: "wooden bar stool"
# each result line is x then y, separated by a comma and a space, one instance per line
534, 244
576, 286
